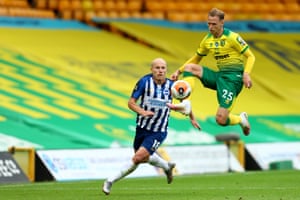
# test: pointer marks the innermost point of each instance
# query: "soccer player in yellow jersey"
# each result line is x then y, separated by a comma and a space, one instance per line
229, 50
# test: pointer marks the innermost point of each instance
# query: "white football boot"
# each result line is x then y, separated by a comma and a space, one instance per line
169, 172
106, 187
245, 125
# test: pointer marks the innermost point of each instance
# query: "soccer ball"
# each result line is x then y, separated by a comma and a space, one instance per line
181, 89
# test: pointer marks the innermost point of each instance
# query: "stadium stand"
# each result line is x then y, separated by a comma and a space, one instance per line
173, 10
56, 92
59, 92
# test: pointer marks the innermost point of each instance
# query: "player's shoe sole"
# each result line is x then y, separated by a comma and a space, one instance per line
106, 187
169, 172
245, 123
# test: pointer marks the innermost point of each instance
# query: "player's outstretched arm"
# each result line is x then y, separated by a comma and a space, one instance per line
194, 59
250, 59
194, 121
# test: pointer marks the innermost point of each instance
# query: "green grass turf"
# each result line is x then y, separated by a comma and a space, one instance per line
259, 185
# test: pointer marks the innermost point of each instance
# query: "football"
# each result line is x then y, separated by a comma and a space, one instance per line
181, 89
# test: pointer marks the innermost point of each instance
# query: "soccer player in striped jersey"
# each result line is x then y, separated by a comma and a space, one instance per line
229, 51
153, 92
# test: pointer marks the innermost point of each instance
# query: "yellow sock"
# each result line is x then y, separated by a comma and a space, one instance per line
234, 119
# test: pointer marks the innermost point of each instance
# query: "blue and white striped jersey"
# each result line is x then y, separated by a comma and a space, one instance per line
153, 97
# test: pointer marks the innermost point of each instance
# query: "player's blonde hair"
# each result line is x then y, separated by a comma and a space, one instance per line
216, 12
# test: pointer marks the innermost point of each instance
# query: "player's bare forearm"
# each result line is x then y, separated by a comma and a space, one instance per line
194, 121
247, 80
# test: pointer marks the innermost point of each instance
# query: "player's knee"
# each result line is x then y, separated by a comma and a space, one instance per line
194, 69
221, 120
188, 68
140, 158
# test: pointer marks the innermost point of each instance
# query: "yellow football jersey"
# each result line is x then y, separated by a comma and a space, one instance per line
227, 50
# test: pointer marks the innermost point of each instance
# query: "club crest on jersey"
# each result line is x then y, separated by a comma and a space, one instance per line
166, 91
222, 43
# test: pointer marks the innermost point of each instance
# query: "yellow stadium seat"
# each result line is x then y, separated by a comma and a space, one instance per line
40, 4
87, 5
76, 5
248, 8
136, 14
263, 8
176, 16
19, 3
134, 5
88, 16
98, 5
171, 6
277, 7
121, 5
109, 5
185, 6
3, 11
113, 14
53, 4
195, 17
78, 15
290, 1
153, 15
66, 14
101, 14
124, 14
233, 8
64, 5
155, 6
292, 8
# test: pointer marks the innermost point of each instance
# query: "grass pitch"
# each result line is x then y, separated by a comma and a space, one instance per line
260, 185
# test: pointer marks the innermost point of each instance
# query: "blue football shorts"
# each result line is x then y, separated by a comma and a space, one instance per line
148, 139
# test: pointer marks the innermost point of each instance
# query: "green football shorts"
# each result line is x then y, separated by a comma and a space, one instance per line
228, 85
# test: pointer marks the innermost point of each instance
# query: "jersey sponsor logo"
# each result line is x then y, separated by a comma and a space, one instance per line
156, 103
222, 57
216, 44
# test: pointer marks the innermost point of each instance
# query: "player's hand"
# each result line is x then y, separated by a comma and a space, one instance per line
247, 80
196, 124
147, 113
175, 75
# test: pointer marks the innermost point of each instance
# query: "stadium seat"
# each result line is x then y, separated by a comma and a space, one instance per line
196, 17
292, 8
124, 14
78, 14
52, 4
277, 7
134, 5
64, 5
3, 11
76, 5
176, 16
154, 6
109, 5
121, 5
87, 5
89, 15
98, 5
40, 4
66, 14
